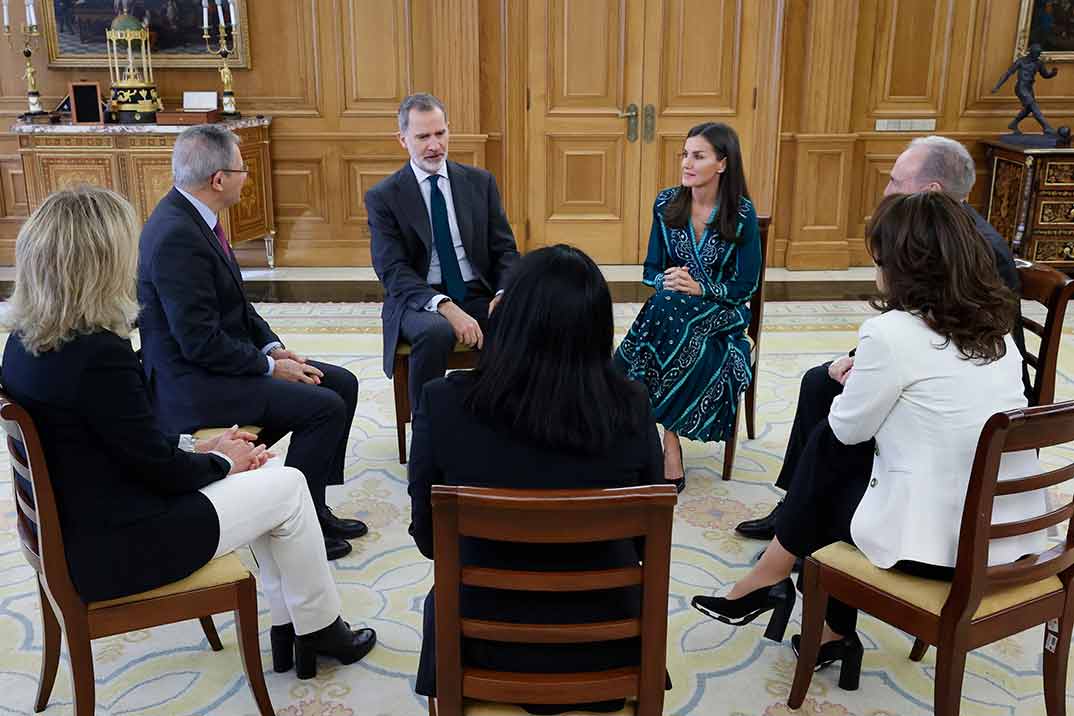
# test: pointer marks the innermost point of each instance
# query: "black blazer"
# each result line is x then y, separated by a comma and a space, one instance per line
450, 446
402, 240
130, 512
201, 338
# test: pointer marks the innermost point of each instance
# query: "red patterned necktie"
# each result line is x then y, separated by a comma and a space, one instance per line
219, 231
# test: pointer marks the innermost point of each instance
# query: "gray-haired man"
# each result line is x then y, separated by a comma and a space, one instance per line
209, 358
931, 163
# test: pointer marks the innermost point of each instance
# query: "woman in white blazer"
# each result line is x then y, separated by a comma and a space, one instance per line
888, 471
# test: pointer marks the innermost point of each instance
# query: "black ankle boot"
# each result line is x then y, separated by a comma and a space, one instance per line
847, 650
778, 598
282, 638
335, 640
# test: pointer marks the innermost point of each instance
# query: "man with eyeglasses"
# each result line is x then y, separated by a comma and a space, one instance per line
210, 359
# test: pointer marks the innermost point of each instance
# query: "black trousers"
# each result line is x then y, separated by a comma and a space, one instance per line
815, 396
432, 338
828, 484
319, 419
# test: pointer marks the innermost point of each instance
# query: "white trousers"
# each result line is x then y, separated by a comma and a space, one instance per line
271, 510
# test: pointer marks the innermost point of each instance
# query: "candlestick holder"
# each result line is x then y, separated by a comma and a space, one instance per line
31, 38
223, 50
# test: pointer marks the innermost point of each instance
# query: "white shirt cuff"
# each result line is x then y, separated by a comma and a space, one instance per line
186, 442
435, 302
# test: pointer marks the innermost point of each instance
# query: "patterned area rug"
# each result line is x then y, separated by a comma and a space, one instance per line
717, 670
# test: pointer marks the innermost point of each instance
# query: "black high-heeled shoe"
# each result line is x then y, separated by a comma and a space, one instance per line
282, 638
336, 640
847, 650
778, 598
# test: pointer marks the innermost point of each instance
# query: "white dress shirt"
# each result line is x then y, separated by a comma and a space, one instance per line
434, 276
211, 220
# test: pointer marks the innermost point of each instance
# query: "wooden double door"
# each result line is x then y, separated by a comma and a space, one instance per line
614, 86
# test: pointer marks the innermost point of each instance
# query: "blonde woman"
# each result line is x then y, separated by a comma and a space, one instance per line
136, 511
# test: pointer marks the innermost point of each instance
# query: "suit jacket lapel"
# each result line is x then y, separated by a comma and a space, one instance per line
462, 196
209, 235
414, 206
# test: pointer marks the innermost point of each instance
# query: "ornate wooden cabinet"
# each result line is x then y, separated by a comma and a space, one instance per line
1031, 200
135, 160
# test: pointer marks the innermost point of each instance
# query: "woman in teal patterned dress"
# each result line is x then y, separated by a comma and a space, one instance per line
688, 345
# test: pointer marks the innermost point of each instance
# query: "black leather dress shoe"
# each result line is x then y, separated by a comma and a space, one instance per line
338, 527
337, 640
763, 528
336, 547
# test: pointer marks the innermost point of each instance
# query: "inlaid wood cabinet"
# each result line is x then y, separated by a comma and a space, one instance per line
135, 160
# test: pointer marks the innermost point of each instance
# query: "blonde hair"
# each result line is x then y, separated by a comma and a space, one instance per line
76, 261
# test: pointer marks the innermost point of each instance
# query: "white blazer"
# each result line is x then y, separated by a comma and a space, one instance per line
926, 404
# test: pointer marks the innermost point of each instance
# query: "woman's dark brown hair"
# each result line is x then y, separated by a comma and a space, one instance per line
936, 265
732, 187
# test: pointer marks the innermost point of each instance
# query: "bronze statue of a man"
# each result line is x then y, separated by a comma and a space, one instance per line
1027, 66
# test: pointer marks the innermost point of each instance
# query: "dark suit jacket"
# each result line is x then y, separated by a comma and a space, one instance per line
451, 446
201, 338
402, 240
1009, 273
130, 512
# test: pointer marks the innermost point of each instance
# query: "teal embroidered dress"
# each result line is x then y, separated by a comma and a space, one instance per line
691, 352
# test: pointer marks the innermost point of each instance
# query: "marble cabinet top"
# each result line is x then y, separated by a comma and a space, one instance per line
67, 128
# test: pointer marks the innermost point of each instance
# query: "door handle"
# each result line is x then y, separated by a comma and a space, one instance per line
631, 116
648, 129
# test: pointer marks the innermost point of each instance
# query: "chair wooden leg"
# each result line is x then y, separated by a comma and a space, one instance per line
814, 606
950, 668
250, 647
729, 449
432, 706
209, 628
917, 653
401, 385
751, 402
82, 685
50, 651
1056, 655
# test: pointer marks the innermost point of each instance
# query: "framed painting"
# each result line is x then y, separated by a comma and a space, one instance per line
74, 32
1050, 24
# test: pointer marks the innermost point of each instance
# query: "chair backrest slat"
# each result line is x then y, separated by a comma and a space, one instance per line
1033, 567
551, 581
1037, 482
551, 517
1053, 290
1024, 527
551, 633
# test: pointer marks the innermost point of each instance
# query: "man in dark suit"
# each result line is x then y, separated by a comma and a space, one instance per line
931, 163
210, 359
441, 246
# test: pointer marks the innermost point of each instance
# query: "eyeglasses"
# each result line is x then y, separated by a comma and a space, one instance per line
245, 170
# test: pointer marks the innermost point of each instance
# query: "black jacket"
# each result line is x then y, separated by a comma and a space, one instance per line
402, 240
201, 338
130, 512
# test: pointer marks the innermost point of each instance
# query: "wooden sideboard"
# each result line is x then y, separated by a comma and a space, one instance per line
1031, 200
136, 161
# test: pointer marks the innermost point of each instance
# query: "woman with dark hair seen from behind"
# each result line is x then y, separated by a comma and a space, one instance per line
136, 511
688, 344
928, 373
545, 408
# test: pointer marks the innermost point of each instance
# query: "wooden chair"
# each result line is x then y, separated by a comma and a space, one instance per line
222, 585
461, 358
982, 604
551, 516
754, 334
1053, 289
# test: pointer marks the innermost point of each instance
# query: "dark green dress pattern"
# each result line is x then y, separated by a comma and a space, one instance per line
691, 352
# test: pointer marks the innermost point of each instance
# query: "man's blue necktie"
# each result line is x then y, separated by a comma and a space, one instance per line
450, 274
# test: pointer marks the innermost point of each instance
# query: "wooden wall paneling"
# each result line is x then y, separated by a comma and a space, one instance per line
911, 57
821, 202
376, 43
763, 162
456, 74
828, 72
698, 70
300, 187
151, 179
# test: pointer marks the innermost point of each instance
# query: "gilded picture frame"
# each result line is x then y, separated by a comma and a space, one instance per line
74, 32
1049, 23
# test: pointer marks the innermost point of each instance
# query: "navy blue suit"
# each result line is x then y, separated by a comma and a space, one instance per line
402, 246
130, 512
201, 347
